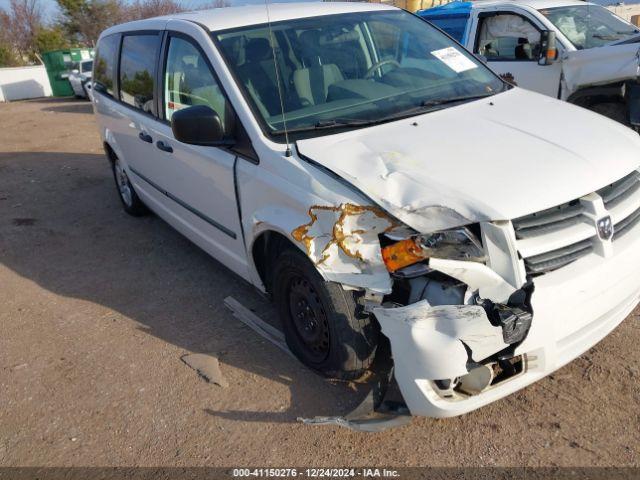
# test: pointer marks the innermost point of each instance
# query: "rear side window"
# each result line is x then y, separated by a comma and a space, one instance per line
105, 62
138, 70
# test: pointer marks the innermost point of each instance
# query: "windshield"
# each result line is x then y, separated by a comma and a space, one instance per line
349, 70
87, 66
589, 26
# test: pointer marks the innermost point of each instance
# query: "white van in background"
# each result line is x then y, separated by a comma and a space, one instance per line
383, 186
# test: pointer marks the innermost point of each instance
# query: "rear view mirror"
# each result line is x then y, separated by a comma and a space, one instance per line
199, 125
548, 49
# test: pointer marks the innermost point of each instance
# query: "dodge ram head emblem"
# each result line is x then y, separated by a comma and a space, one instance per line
605, 228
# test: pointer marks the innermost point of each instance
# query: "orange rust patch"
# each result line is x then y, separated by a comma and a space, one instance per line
339, 237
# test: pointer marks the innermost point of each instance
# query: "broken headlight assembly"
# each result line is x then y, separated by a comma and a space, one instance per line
455, 244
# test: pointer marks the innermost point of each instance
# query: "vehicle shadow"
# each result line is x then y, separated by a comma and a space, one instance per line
64, 207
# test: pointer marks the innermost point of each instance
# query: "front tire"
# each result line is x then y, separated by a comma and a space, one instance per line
128, 196
323, 324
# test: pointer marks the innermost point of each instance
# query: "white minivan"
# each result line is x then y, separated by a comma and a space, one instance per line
384, 186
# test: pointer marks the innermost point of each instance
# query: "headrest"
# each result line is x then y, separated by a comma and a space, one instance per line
310, 39
258, 49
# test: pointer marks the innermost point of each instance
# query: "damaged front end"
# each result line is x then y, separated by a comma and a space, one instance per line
452, 321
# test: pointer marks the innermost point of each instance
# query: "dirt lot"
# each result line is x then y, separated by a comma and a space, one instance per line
96, 309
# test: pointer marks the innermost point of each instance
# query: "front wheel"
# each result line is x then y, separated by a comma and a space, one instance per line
128, 196
323, 324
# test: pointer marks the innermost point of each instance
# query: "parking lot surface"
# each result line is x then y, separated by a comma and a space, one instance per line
96, 309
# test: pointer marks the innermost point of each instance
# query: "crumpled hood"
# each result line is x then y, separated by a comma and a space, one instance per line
493, 159
601, 65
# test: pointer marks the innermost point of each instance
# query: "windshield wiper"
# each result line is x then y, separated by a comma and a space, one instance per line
446, 101
608, 37
425, 106
430, 105
327, 125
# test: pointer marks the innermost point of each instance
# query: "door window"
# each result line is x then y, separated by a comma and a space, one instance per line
508, 37
188, 81
137, 71
105, 64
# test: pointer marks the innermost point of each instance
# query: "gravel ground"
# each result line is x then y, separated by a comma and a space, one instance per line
96, 309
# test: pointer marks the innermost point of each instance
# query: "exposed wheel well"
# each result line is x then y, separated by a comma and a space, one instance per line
265, 250
590, 96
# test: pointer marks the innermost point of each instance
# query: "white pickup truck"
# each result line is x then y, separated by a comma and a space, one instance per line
572, 50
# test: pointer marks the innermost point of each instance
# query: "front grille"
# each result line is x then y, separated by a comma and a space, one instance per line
550, 261
621, 190
626, 225
550, 220
554, 238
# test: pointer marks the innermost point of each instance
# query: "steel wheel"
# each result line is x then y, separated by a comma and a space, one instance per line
124, 186
309, 318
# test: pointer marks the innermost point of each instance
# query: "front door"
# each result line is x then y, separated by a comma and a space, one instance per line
198, 180
511, 44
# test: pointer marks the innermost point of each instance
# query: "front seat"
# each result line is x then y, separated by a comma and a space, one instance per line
313, 81
523, 50
259, 71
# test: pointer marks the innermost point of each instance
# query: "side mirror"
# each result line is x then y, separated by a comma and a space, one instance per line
548, 49
199, 125
75, 71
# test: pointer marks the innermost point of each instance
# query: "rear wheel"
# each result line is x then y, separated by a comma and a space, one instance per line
128, 196
323, 324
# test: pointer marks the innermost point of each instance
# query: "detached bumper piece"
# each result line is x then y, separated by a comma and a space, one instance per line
383, 407
515, 317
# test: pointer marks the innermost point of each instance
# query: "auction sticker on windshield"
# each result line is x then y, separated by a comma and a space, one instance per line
454, 59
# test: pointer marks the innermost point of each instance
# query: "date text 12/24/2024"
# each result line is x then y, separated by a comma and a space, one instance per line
315, 472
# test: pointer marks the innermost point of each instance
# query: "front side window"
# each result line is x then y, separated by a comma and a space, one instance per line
508, 37
105, 62
137, 71
348, 70
86, 67
589, 26
188, 81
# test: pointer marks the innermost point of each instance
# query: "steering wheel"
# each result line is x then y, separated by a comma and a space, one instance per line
375, 67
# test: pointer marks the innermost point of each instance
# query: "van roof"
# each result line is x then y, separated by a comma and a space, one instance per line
232, 17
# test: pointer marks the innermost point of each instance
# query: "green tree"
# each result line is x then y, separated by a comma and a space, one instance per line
84, 20
7, 56
48, 39
19, 23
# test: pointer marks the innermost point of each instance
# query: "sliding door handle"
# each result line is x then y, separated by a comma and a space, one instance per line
145, 137
164, 147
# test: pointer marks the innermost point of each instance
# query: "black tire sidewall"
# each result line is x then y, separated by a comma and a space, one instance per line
339, 310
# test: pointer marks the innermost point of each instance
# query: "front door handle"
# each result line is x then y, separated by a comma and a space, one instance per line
164, 147
145, 137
